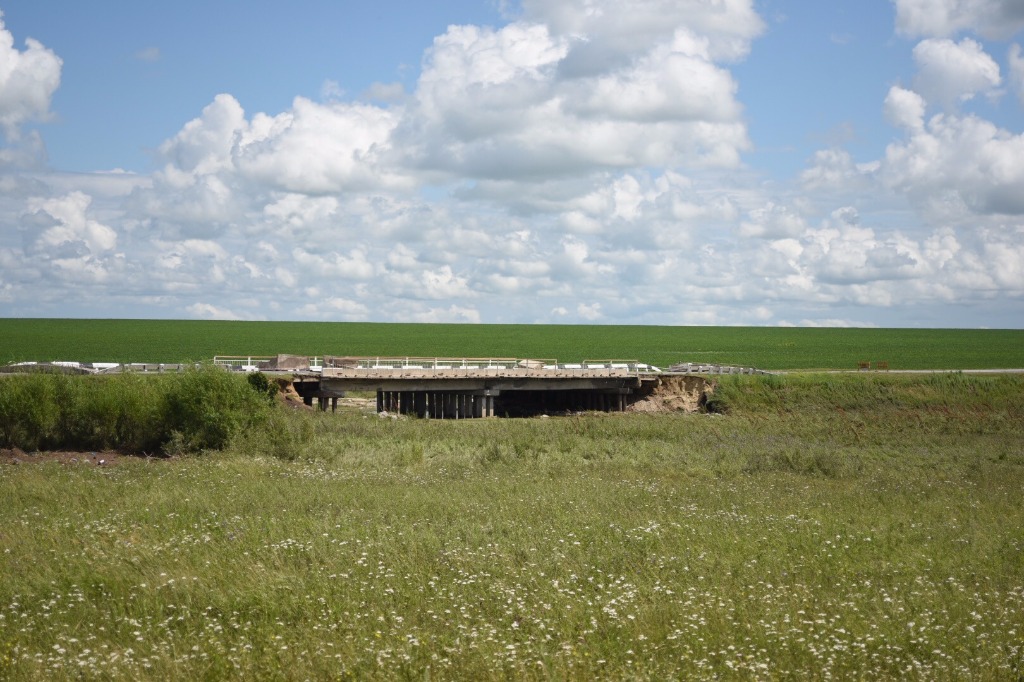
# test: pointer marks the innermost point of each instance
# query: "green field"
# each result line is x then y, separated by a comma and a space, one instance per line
762, 347
857, 526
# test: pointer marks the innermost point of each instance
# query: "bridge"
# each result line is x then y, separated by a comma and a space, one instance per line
463, 388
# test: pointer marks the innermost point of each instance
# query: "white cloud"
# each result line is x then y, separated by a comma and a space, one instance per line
28, 80
204, 145
968, 158
1016, 62
830, 322
556, 168
332, 265
333, 308
317, 148
772, 221
672, 82
331, 90
904, 108
66, 227
497, 104
452, 314
299, 211
625, 28
312, 148
385, 92
589, 311
951, 72
991, 18
426, 284
208, 311
832, 168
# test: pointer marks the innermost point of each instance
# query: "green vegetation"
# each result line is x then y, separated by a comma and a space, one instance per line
853, 527
764, 347
195, 410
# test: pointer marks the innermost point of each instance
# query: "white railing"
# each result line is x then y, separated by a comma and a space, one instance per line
706, 368
254, 363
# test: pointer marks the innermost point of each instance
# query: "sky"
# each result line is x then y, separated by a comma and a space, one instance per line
668, 162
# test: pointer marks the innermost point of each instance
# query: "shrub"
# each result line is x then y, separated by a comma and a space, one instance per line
206, 407
26, 411
200, 409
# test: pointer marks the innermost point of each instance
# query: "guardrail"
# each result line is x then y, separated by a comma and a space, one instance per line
704, 368
255, 363
410, 362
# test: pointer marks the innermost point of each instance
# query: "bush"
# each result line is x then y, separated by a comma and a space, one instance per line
26, 411
207, 407
199, 409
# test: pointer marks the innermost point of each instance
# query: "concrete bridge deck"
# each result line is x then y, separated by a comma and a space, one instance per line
461, 389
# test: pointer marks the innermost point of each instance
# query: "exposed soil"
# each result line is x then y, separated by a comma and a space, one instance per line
289, 396
675, 394
106, 458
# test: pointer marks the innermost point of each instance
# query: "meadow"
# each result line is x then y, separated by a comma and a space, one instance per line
816, 527
763, 347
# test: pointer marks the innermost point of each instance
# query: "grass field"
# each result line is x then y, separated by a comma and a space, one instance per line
847, 527
763, 347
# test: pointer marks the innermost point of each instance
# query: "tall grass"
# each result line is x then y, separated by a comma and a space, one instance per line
852, 530
198, 409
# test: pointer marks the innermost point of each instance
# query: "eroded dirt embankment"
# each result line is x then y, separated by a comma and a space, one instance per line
675, 394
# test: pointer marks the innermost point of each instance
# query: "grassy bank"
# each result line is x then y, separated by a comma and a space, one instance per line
853, 528
764, 347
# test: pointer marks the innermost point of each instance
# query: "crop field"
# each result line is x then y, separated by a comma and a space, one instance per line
858, 526
763, 347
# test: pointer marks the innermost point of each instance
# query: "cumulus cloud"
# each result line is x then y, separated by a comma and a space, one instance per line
208, 311
589, 311
1016, 61
905, 108
627, 28
61, 224
316, 148
453, 314
312, 148
951, 72
28, 80
833, 169
772, 221
333, 308
498, 103
965, 157
991, 18
385, 92
582, 163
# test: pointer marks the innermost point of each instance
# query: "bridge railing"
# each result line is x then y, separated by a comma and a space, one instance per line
255, 363
706, 368
243, 363
423, 363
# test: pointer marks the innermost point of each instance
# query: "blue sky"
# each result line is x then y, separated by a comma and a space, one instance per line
578, 161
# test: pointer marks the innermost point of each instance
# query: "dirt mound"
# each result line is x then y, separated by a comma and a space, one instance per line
675, 394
